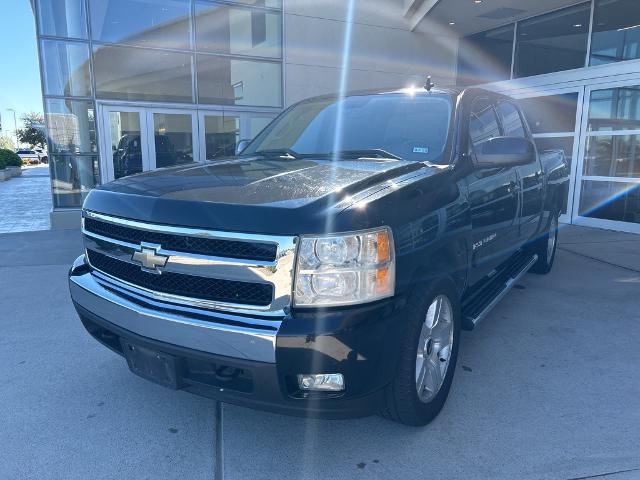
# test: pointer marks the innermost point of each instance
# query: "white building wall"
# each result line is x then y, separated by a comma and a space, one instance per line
384, 52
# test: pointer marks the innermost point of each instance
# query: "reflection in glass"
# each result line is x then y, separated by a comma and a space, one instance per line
557, 143
615, 109
62, 18
173, 139
238, 31
229, 81
71, 126
66, 68
617, 201
72, 177
483, 123
394, 123
257, 124
553, 42
486, 57
613, 156
126, 143
616, 31
511, 121
564, 144
552, 113
128, 73
262, 3
157, 23
221, 135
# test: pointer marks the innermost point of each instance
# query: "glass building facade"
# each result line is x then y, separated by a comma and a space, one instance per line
592, 116
132, 85
587, 34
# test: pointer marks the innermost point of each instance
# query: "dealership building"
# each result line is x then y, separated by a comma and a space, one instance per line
177, 81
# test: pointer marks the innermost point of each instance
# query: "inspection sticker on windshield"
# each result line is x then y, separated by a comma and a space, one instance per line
420, 149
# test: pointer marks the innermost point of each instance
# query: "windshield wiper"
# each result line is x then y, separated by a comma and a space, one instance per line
365, 153
278, 152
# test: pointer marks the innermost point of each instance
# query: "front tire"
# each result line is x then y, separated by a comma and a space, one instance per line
428, 356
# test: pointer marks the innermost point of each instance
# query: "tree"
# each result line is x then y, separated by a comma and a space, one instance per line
33, 131
32, 136
31, 119
6, 143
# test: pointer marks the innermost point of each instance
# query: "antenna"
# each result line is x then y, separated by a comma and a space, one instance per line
428, 85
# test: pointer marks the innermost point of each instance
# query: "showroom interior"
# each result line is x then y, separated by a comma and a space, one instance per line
168, 82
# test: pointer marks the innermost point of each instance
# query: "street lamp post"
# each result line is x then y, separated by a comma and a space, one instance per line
15, 125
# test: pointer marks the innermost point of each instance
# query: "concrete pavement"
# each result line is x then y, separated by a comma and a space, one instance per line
546, 388
26, 200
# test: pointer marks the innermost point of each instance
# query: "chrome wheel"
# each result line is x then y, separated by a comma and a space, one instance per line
434, 348
553, 235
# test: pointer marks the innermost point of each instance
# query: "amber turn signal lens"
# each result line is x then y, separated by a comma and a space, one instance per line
384, 250
382, 280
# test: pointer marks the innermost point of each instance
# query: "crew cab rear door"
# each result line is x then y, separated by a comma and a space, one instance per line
493, 197
530, 176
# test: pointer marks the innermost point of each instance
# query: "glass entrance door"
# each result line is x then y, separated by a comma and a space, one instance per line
127, 145
173, 133
608, 183
126, 134
219, 134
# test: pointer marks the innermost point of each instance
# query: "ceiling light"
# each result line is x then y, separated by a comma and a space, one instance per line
477, 2
577, 25
452, 23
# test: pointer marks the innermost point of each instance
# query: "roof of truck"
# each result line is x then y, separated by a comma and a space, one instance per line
446, 90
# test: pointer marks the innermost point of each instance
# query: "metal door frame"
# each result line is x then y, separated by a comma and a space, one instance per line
584, 135
148, 147
195, 138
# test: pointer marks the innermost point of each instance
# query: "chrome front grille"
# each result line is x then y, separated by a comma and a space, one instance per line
183, 243
203, 288
199, 268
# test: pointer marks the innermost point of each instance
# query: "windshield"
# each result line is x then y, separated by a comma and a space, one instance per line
410, 127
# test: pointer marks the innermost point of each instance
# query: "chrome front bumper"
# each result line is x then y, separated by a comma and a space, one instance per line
212, 332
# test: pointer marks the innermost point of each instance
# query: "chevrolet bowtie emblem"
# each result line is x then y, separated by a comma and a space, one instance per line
149, 259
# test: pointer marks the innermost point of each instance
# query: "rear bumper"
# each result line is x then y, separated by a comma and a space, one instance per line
359, 342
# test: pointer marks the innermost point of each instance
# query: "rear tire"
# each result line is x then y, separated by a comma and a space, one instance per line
546, 247
428, 356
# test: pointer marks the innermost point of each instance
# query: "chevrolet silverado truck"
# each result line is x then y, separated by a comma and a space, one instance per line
328, 268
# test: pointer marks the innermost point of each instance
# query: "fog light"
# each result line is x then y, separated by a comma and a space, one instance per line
326, 382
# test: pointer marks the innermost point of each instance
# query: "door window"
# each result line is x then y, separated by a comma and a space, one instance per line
511, 120
221, 135
126, 143
173, 134
483, 123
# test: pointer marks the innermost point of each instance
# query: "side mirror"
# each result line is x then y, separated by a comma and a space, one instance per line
242, 144
501, 152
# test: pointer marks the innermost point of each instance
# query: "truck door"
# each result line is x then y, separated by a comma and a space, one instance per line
531, 187
493, 198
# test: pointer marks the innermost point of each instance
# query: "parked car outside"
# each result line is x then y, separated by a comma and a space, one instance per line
43, 154
29, 157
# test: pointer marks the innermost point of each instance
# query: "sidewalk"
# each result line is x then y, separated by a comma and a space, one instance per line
615, 248
26, 200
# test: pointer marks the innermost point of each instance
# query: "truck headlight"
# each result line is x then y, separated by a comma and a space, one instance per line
345, 269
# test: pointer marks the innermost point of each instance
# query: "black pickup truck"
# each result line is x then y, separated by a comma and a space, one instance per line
328, 268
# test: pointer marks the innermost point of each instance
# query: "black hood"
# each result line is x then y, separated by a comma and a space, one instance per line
246, 194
